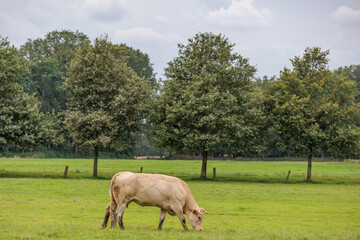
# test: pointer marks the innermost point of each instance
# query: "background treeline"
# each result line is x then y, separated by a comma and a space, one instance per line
34, 98
211, 104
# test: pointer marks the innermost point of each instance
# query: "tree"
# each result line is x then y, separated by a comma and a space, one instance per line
352, 72
21, 126
45, 80
208, 100
142, 142
313, 111
48, 60
106, 99
140, 63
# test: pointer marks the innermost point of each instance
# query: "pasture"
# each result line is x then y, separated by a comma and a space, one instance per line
247, 201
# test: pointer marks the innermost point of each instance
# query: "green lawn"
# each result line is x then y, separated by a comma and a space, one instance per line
273, 172
45, 208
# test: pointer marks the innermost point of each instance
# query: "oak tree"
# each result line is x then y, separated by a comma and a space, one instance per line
311, 110
208, 100
107, 99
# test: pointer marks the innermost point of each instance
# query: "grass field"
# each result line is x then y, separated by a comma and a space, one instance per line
272, 172
254, 205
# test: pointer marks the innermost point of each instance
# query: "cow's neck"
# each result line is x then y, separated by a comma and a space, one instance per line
190, 204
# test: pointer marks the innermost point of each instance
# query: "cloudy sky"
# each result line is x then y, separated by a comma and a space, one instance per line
268, 32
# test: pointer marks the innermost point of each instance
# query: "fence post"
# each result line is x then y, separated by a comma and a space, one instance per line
287, 178
214, 173
66, 171
141, 169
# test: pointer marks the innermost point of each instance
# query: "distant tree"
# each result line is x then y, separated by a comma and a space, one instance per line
352, 72
142, 142
140, 63
312, 110
208, 100
59, 45
106, 99
21, 126
48, 60
12, 68
46, 81
265, 82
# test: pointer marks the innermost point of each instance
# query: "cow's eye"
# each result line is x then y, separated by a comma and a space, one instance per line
199, 218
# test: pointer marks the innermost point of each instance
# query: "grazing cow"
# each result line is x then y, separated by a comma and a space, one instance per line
170, 194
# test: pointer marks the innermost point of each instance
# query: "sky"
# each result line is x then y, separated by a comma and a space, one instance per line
267, 32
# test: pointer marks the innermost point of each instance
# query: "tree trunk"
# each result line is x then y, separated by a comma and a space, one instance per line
96, 155
309, 167
204, 165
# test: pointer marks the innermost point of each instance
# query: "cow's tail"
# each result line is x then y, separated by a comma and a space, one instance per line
110, 210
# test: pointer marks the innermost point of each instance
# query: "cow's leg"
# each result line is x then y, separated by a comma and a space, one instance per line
113, 216
181, 217
113, 219
106, 219
183, 221
119, 213
162, 218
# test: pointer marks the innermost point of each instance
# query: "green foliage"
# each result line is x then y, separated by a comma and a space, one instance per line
140, 63
58, 45
106, 98
352, 72
209, 100
21, 125
48, 60
12, 68
45, 80
52, 130
312, 110
141, 141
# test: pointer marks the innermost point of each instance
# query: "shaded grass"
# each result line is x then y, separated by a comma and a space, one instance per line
267, 172
74, 209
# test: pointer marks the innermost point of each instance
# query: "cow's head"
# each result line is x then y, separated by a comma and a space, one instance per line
196, 218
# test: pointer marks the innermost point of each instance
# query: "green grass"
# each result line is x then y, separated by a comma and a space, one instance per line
248, 201
272, 172
74, 209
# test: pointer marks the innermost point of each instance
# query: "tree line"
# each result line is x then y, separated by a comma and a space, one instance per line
66, 93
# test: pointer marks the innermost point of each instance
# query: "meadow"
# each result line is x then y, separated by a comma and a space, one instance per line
226, 170
247, 201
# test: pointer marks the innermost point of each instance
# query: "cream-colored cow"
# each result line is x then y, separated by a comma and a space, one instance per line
172, 195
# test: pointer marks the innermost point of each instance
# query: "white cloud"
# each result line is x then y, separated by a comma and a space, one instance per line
346, 15
240, 14
108, 10
143, 34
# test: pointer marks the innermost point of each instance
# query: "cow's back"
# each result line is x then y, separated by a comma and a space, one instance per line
149, 189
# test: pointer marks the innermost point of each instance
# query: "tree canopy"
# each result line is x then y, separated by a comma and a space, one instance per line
311, 110
352, 72
48, 60
208, 100
106, 98
21, 126
210, 104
